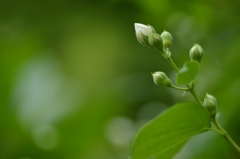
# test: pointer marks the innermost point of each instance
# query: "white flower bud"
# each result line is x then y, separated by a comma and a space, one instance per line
156, 41
196, 53
143, 32
167, 39
160, 78
210, 103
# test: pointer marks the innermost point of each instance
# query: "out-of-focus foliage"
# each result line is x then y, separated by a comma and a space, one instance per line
75, 83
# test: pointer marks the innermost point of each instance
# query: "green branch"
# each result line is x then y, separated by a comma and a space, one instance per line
218, 128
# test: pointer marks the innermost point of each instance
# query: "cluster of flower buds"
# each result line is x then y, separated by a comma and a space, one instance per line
146, 35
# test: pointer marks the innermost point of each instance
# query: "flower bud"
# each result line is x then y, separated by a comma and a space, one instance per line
196, 53
210, 103
167, 39
156, 41
143, 32
160, 78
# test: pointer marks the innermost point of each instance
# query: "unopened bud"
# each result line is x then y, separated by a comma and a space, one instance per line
143, 32
210, 103
155, 41
196, 53
160, 78
167, 39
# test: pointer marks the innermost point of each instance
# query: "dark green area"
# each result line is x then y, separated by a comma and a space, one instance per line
75, 83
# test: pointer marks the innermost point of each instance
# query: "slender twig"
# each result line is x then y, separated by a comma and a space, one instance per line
195, 96
218, 128
179, 88
173, 64
191, 90
215, 130
225, 135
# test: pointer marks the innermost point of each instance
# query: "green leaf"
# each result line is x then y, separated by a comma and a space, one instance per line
188, 72
160, 138
171, 152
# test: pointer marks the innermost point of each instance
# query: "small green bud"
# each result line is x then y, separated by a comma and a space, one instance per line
196, 53
160, 78
143, 32
155, 41
210, 103
167, 39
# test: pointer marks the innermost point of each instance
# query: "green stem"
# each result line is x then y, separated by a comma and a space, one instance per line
195, 96
218, 128
215, 130
191, 90
173, 64
225, 134
180, 88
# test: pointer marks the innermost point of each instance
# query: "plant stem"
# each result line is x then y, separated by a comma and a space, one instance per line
218, 128
195, 96
225, 134
191, 90
173, 64
180, 88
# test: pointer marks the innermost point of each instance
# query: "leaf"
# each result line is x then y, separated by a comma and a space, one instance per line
171, 152
188, 72
171, 128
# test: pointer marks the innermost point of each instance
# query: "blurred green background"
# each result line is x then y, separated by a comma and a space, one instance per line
76, 84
